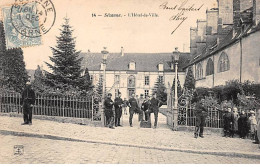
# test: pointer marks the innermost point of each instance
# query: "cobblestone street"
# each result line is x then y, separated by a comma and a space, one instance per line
41, 150
48, 151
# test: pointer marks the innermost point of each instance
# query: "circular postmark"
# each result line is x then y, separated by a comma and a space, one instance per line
33, 18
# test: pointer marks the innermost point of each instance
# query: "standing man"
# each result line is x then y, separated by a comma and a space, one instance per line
125, 104
200, 118
146, 107
154, 108
108, 104
118, 109
134, 108
28, 100
140, 102
228, 123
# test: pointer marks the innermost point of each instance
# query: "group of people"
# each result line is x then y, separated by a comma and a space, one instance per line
142, 106
235, 122
240, 123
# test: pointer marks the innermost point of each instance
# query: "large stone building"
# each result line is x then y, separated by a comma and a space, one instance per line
229, 49
134, 72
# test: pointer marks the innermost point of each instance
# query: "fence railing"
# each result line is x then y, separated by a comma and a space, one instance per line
67, 106
187, 117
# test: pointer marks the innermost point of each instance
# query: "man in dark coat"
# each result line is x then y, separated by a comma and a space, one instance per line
118, 109
154, 108
146, 107
108, 104
243, 125
133, 108
28, 100
201, 113
228, 123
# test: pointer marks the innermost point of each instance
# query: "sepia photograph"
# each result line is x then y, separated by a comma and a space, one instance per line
129, 82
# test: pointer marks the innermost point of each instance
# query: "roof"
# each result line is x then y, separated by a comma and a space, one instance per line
232, 37
145, 62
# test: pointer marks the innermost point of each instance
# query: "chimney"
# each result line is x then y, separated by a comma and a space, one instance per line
256, 12
212, 21
122, 51
225, 11
236, 14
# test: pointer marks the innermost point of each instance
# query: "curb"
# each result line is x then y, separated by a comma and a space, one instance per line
209, 152
72, 120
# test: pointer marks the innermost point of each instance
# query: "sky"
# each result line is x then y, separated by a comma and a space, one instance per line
135, 34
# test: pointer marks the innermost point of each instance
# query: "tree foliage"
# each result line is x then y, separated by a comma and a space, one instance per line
160, 90
189, 83
179, 90
12, 67
66, 64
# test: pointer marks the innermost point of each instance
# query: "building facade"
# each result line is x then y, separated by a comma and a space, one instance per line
134, 72
230, 52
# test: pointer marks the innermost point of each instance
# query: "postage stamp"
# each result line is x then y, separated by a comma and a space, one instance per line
14, 39
26, 21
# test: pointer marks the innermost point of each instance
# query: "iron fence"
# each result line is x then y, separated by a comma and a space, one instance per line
187, 117
66, 106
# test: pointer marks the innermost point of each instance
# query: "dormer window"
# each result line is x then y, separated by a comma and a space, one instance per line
160, 67
132, 66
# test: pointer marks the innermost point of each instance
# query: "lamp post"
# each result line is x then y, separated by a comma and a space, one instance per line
176, 56
105, 53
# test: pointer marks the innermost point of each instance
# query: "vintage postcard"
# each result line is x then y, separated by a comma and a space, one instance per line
129, 81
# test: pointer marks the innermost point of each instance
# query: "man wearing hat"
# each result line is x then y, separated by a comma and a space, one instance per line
228, 123
28, 100
108, 104
118, 109
133, 108
201, 113
154, 108
140, 102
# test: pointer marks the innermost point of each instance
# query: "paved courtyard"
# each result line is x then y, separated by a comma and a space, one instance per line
120, 145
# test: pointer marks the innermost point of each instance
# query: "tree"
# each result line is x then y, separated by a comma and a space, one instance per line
160, 90
14, 72
189, 83
66, 69
2, 51
99, 88
179, 90
86, 83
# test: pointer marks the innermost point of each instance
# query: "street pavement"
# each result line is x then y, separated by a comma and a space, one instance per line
120, 145
46, 151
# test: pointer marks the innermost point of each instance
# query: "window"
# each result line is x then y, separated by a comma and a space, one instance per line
199, 71
160, 67
146, 80
117, 79
210, 67
223, 62
132, 66
91, 77
161, 79
146, 93
131, 81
